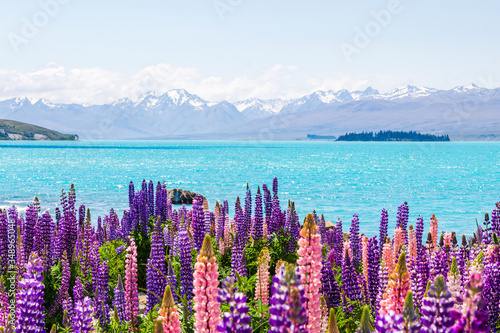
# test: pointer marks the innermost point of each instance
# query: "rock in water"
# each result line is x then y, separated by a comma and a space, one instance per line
180, 197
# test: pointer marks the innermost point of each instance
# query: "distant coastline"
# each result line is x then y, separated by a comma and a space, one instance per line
17, 131
393, 136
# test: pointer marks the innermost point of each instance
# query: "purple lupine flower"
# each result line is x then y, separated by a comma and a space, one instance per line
355, 242
45, 237
373, 270
331, 290
172, 280
287, 304
63, 292
78, 290
437, 308
420, 276
384, 222
258, 223
419, 231
350, 283
58, 215
339, 241
185, 260
495, 219
29, 298
81, 322
275, 186
322, 229
491, 292
155, 276
119, 300
29, 230
159, 202
4, 305
198, 222
439, 263
237, 254
268, 203
237, 319
219, 229
474, 317
151, 199
4, 241
119, 250
389, 323
275, 221
131, 194
248, 211
294, 231
402, 220
101, 295
81, 216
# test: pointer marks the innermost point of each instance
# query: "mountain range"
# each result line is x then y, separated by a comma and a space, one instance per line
465, 113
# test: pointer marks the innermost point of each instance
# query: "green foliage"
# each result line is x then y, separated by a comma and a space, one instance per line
116, 263
349, 322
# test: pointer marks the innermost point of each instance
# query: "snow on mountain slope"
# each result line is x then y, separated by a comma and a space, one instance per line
469, 109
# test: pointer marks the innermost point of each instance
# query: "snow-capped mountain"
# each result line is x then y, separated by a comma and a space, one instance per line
179, 114
256, 108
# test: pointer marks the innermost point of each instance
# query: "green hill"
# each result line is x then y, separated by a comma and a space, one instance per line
14, 130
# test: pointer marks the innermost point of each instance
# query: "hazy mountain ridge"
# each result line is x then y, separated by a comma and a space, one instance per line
463, 112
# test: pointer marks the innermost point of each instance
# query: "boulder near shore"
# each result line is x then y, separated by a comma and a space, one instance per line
180, 197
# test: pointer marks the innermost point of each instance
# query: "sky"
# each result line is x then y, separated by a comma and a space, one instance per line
76, 51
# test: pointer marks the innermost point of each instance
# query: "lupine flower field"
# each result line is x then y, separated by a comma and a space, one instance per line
252, 267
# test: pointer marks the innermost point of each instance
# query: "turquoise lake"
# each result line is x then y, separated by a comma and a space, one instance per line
457, 181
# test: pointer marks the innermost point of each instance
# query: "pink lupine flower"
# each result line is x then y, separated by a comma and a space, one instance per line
398, 241
364, 251
264, 230
454, 283
412, 243
397, 288
447, 238
310, 264
131, 295
388, 256
206, 305
433, 229
168, 313
324, 315
262, 285
347, 246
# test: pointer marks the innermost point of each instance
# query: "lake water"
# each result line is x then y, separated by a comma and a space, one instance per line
457, 181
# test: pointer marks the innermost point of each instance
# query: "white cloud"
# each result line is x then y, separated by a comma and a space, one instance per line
99, 86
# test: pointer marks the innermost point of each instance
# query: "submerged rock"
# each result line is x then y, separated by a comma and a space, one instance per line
181, 197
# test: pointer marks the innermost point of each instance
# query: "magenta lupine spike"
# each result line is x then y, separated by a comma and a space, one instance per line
206, 305
29, 298
398, 241
310, 264
412, 244
262, 285
364, 255
433, 229
131, 295
168, 313
186, 277
397, 288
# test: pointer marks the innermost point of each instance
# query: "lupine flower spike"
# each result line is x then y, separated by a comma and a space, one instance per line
206, 305
168, 313
310, 263
262, 285
398, 286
